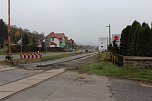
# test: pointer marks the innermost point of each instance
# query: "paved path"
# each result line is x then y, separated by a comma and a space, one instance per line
14, 87
9, 76
68, 86
6, 67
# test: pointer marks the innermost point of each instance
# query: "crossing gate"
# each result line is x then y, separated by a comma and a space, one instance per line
30, 56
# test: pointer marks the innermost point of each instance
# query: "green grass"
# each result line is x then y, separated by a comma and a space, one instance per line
108, 69
3, 51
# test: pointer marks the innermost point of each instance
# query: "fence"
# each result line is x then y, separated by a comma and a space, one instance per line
116, 59
136, 61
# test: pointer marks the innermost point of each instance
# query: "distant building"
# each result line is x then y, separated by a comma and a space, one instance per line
53, 40
58, 41
103, 44
116, 37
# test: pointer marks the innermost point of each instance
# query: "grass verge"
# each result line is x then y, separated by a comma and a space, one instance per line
108, 69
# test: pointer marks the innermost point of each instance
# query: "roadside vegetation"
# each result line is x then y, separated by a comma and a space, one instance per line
3, 51
108, 69
103, 67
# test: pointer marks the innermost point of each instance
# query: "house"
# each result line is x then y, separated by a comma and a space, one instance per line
66, 42
53, 40
58, 41
71, 45
61, 36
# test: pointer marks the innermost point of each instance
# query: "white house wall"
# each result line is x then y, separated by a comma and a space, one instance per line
55, 41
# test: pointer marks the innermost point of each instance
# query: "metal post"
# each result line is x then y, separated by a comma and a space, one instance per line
109, 33
21, 43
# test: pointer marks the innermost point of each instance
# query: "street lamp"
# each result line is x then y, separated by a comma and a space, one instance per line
109, 34
8, 56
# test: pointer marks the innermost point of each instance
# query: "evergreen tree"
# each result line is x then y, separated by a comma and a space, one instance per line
124, 40
146, 40
115, 48
131, 50
3, 32
150, 43
136, 40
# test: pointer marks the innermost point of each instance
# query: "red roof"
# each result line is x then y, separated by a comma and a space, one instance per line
52, 35
58, 35
55, 35
62, 34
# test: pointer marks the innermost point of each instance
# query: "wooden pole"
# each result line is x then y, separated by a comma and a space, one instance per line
9, 58
9, 29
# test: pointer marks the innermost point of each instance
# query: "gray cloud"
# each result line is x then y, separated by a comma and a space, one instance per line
82, 20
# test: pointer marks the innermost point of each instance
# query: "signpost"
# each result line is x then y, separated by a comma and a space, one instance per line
103, 45
116, 38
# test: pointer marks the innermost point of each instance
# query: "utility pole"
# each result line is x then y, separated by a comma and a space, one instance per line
109, 33
9, 58
21, 43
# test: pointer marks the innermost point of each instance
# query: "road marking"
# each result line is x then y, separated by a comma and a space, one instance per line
145, 85
4, 68
14, 87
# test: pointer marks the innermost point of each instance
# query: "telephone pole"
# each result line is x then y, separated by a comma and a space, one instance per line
9, 58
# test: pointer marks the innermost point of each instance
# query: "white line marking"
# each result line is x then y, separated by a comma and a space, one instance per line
145, 85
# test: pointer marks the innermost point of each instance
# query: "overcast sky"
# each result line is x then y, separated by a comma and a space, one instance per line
82, 20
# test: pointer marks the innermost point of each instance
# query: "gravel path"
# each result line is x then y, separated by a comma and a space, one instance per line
124, 90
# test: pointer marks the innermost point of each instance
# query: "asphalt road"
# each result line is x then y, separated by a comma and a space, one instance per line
69, 86
124, 90
15, 74
72, 86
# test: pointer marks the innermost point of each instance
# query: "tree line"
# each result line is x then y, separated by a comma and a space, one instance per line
136, 40
27, 37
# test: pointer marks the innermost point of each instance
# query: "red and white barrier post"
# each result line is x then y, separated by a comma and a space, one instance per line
30, 56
